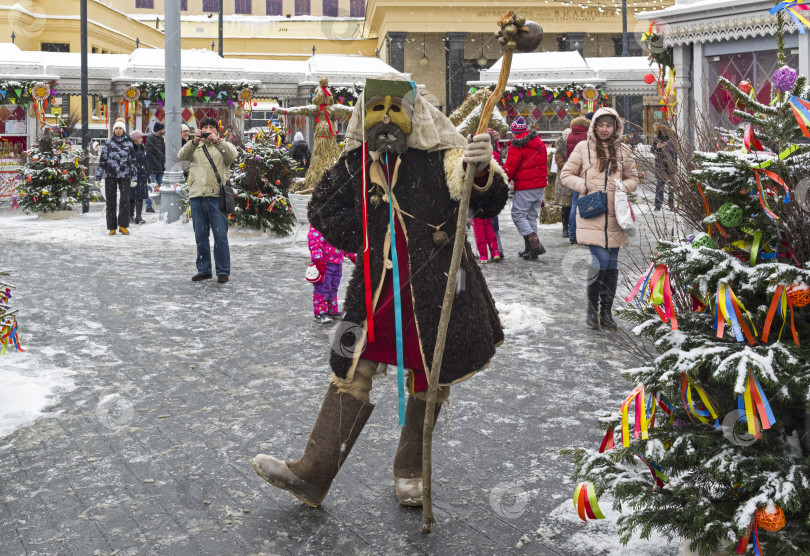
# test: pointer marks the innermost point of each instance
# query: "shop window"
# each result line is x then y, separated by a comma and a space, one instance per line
242, 7
302, 7
145, 4
330, 8
210, 5
274, 7
55, 47
570, 42
358, 8
632, 46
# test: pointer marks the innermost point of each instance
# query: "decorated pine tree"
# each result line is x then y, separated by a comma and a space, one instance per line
9, 334
712, 444
52, 177
261, 181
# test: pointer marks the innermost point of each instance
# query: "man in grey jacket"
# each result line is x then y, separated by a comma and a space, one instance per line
211, 157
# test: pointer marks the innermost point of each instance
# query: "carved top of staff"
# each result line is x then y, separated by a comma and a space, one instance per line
518, 34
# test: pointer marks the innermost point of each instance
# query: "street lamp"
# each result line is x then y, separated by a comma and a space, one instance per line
212, 46
137, 42
13, 36
424, 60
625, 52
313, 50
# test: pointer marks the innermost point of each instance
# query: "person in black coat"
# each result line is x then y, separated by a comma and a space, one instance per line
415, 167
139, 192
117, 162
300, 150
156, 153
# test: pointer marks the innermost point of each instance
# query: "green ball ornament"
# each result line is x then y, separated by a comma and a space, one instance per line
704, 240
730, 215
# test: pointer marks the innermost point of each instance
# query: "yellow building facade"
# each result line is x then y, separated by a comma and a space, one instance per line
442, 45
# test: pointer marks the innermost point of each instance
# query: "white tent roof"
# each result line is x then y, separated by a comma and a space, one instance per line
274, 77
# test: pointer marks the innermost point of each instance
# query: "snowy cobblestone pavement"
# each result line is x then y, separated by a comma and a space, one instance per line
162, 390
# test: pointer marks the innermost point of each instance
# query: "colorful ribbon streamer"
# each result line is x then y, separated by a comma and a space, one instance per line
366, 264
397, 303
641, 421
322, 108
658, 475
585, 502
793, 8
657, 285
9, 336
782, 302
708, 211
801, 110
750, 141
752, 403
752, 534
729, 308
702, 415
762, 169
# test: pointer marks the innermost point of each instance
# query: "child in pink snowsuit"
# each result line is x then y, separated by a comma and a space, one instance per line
483, 230
329, 262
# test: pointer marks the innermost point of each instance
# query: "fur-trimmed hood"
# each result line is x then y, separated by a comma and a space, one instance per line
581, 121
617, 135
522, 140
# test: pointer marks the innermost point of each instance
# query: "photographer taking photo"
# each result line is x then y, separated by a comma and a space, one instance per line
211, 157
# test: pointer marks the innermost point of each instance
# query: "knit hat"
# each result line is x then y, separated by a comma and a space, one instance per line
518, 126
135, 135
589, 115
119, 123
159, 126
184, 127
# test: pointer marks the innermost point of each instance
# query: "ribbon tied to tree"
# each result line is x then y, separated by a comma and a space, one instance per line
703, 415
796, 9
656, 284
729, 310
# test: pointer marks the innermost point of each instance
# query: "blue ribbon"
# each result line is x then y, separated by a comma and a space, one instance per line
397, 304
783, 6
732, 316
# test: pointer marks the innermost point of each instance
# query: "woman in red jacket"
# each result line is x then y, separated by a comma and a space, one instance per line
526, 167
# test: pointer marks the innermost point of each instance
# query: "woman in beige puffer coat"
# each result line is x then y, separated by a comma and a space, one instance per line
597, 165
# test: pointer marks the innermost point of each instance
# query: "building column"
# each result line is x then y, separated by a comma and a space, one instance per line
804, 54
454, 69
700, 86
683, 59
396, 51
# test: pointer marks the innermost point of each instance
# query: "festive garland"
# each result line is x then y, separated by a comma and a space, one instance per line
345, 95
541, 94
195, 93
20, 91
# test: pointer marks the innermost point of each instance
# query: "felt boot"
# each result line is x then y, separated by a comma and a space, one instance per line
535, 247
610, 280
408, 461
594, 290
337, 427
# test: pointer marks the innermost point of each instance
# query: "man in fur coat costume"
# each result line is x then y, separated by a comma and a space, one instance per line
415, 162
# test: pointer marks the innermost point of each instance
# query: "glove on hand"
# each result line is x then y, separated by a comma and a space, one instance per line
98, 184
133, 184
479, 152
321, 266
352, 257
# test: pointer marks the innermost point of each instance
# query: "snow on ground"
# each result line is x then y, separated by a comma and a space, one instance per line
30, 385
599, 535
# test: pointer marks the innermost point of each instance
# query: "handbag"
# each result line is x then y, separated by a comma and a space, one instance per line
227, 203
595, 203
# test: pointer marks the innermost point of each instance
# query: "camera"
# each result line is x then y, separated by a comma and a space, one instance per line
205, 134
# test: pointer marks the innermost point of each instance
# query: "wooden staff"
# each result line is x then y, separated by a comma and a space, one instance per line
515, 33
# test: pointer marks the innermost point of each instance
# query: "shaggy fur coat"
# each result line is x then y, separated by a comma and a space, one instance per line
426, 188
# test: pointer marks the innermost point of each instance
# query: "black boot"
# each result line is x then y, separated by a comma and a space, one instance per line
535, 247
608, 291
566, 214
593, 291
525, 247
